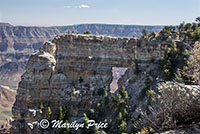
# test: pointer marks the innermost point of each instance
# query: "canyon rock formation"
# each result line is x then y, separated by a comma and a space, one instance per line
72, 70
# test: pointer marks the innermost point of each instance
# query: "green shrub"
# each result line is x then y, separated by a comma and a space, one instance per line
49, 113
87, 32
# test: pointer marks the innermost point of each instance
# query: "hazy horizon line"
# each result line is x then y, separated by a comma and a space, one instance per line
95, 23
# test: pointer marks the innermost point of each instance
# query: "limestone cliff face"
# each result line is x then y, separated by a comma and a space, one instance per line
83, 62
21, 37
35, 85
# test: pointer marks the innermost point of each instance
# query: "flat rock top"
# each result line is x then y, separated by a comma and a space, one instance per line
89, 37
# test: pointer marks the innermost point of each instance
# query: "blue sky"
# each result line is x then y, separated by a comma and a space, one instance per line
67, 12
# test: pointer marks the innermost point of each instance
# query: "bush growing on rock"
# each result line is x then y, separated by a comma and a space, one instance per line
49, 113
144, 33
176, 104
173, 60
87, 32
193, 64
